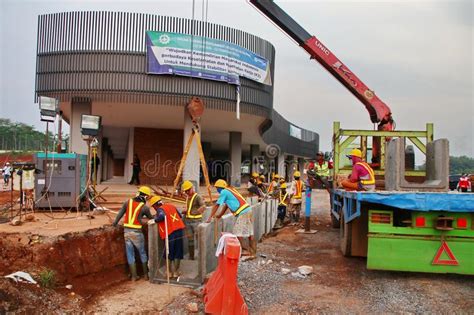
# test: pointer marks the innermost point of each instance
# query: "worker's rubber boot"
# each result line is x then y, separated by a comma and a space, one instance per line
171, 264
191, 252
145, 270
133, 272
177, 263
253, 248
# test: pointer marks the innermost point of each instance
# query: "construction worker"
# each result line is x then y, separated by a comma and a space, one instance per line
230, 198
171, 225
195, 207
296, 194
7, 172
261, 183
135, 210
136, 169
252, 185
284, 198
320, 171
362, 177
273, 186
464, 183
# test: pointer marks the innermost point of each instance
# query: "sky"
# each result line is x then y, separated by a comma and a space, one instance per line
416, 55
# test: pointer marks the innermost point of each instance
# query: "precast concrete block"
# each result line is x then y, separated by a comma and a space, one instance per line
256, 220
263, 219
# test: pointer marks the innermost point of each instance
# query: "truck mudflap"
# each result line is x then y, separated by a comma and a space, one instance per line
436, 242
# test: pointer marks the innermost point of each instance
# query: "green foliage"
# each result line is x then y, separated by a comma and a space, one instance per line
461, 164
16, 136
47, 278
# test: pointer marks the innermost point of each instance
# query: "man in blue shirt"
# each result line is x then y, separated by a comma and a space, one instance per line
230, 198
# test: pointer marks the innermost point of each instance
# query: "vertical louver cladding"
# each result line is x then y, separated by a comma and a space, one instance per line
100, 53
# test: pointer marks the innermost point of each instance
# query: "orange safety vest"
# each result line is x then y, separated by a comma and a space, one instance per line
173, 220
371, 180
242, 203
270, 188
188, 211
299, 189
131, 215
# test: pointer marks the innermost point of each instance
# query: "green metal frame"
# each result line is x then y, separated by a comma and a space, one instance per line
411, 248
342, 138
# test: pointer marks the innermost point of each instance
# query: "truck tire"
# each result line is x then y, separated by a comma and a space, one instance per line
334, 222
345, 236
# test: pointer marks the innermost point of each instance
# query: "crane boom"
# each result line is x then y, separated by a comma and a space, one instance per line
379, 112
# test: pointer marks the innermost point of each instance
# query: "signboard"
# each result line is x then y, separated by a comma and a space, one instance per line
295, 132
206, 58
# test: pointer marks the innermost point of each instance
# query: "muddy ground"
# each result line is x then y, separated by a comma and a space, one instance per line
338, 284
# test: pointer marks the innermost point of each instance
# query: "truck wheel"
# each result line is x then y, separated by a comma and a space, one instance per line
345, 236
334, 222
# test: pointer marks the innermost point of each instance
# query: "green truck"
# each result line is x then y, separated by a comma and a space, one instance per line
420, 231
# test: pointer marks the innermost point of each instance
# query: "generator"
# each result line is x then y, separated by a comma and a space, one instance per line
65, 179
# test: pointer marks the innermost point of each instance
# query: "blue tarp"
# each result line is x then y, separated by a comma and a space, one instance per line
419, 201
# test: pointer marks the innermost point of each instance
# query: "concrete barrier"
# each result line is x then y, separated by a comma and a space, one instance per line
194, 272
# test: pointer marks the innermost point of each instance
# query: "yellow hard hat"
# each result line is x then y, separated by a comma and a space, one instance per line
154, 200
297, 174
276, 176
254, 174
262, 176
145, 190
220, 183
186, 185
283, 185
356, 152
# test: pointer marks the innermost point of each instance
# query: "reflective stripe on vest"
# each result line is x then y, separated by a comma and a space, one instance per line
270, 188
242, 203
322, 170
299, 189
371, 180
131, 215
190, 205
282, 200
173, 220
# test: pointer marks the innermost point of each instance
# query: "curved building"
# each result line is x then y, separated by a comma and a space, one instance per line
98, 63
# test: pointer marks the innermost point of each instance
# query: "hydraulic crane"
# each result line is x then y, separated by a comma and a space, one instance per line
379, 112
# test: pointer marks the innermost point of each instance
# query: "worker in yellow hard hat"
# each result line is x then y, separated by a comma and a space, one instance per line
261, 183
171, 226
273, 186
362, 177
135, 211
296, 195
230, 198
283, 200
252, 186
195, 207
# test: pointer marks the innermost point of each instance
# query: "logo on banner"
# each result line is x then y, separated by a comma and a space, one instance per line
164, 39
444, 248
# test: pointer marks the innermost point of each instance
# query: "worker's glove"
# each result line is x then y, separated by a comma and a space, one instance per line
151, 222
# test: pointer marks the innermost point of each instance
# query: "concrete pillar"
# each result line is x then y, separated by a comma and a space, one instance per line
254, 154
191, 166
235, 153
301, 165
77, 110
281, 164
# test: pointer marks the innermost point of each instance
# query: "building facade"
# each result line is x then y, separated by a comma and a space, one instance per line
96, 63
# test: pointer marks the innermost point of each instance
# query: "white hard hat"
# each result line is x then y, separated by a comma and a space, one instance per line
8, 163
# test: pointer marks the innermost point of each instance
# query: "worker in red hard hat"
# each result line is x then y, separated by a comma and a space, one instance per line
362, 177
134, 211
464, 183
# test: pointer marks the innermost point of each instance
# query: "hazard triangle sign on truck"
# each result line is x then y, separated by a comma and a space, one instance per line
452, 261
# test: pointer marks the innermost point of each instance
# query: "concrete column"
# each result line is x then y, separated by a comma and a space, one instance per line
301, 165
191, 166
235, 153
77, 110
281, 164
254, 153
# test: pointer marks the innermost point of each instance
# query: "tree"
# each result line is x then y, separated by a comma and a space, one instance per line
461, 164
15, 136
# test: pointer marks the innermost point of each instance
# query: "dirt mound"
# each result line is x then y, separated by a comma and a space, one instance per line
31, 299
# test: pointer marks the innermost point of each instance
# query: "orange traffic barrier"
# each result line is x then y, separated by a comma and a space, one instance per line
221, 293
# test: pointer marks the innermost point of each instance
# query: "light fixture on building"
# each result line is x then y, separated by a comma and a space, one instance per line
49, 108
90, 125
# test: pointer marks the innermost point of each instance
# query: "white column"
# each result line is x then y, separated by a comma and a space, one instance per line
254, 153
235, 153
281, 164
192, 164
77, 110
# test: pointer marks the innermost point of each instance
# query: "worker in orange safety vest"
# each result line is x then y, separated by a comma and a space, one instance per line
171, 225
135, 210
296, 194
362, 177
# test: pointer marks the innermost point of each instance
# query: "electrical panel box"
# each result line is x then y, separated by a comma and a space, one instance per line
64, 176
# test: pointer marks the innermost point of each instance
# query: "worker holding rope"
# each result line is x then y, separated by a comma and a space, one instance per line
170, 228
195, 206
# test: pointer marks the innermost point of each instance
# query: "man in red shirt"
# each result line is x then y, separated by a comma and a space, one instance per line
362, 177
464, 183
